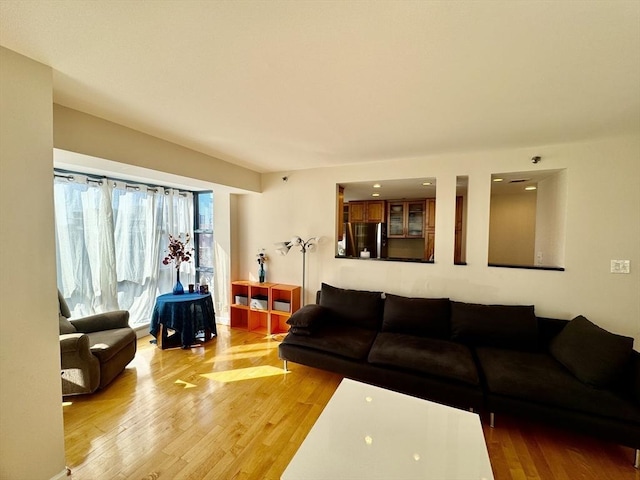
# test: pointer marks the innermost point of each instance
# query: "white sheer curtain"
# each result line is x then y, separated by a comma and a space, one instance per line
111, 239
138, 211
84, 237
177, 220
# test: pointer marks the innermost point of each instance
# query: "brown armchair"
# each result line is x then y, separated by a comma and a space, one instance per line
93, 350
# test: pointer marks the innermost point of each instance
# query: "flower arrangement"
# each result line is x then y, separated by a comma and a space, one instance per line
261, 257
178, 251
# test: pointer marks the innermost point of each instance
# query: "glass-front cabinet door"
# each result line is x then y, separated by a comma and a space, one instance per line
406, 219
395, 227
415, 219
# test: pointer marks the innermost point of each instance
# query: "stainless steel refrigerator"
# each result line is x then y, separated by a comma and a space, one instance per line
369, 238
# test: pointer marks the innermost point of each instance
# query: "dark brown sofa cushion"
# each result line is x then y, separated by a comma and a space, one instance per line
356, 307
344, 340
308, 319
595, 356
107, 343
537, 377
504, 326
425, 317
431, 356
65, 325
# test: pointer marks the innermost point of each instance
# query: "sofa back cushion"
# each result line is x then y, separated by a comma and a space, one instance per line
502, 326
356, 307
65, 325
308, 319
423, 317
595, 356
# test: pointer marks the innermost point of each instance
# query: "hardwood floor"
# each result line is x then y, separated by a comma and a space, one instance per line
228, 411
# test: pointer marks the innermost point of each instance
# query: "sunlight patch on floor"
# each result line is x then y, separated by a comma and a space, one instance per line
240, 352
250, 347
186, 384
238, 356
244, 374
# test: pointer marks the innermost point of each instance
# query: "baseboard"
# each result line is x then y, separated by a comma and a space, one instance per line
62, 475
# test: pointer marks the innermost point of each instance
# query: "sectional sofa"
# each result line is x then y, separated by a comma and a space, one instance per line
487, 358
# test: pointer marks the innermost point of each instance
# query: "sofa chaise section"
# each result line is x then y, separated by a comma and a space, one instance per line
494, 358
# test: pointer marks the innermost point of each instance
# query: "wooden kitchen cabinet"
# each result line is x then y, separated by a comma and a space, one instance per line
406, 219
367, 211
430, 229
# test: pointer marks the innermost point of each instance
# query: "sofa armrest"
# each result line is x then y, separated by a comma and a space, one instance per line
72, 343
80, 369
102, 321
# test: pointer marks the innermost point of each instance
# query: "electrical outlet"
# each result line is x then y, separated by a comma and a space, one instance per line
620, 266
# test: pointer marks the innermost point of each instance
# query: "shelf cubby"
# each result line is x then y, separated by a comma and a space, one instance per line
269, 321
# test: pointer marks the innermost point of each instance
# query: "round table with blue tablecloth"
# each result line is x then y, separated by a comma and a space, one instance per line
188, 314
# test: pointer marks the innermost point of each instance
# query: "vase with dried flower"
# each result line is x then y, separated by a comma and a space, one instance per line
178, 253
261, 258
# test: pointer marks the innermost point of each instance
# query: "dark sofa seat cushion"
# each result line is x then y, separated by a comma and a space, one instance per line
425, 317
592, 354
344, 340
539, 378
504, 326
438, 358
357, 307
105, 344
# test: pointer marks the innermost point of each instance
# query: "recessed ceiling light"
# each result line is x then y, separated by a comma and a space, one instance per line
426, 184
532, 187
375, 194
498, 179
376, 185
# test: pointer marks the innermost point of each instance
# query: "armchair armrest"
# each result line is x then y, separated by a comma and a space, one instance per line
102, 321
73, 342
80, 369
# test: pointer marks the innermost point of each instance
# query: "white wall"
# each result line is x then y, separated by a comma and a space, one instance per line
222, 252
551, 216
603, 223
31, 424
80, 132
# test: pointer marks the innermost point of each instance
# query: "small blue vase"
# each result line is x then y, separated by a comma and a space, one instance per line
262, 274
178, 289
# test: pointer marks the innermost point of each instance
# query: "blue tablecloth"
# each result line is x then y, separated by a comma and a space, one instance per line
188, 314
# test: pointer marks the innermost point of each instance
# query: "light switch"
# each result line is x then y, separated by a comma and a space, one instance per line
620, 266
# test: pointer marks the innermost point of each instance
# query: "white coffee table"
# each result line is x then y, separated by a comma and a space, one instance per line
370, 433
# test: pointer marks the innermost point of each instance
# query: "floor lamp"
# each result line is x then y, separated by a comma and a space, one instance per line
305, 246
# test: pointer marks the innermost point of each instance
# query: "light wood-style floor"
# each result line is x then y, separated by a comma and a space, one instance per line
228, 411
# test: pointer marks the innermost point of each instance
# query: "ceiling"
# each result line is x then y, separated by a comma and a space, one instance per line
282, 85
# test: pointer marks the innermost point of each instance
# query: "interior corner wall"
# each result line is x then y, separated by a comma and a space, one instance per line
602, 223
31, 422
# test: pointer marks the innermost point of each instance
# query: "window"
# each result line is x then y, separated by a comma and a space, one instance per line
203, 237
111, 237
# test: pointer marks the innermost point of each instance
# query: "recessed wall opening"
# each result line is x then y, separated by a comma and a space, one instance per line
386, 219
527, 219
